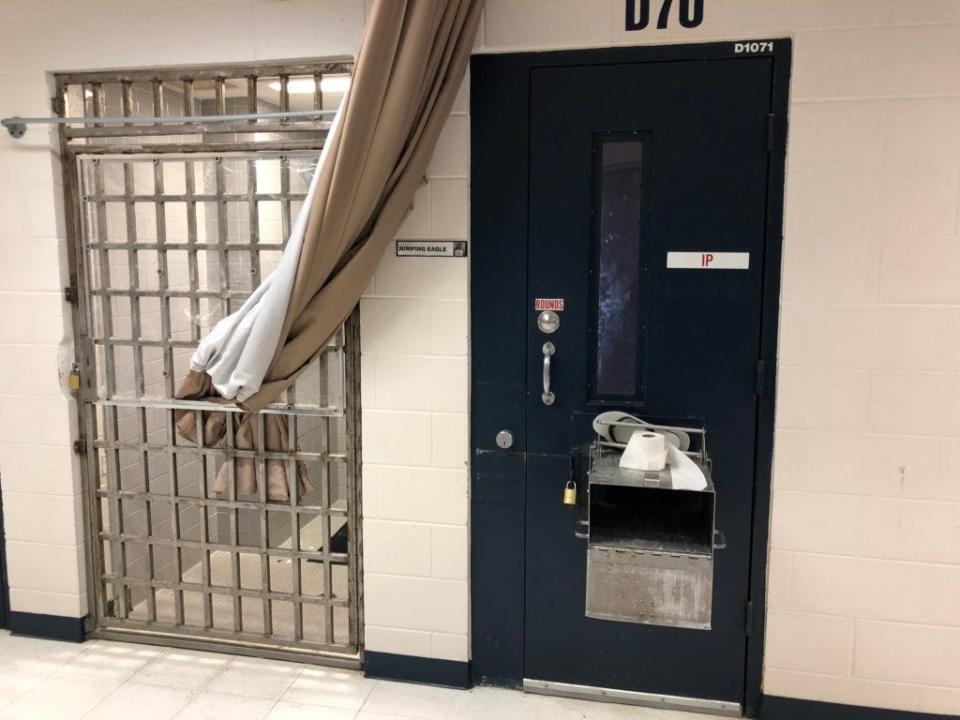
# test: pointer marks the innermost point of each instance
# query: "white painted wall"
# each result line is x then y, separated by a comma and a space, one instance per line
865, 558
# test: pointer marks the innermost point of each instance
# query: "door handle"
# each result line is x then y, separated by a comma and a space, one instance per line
548, 352
719, 540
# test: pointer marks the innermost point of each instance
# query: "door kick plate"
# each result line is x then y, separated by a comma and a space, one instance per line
632, 697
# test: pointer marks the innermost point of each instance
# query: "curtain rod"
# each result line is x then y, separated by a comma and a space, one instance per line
17, 126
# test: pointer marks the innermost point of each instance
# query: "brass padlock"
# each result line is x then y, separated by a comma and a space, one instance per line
570, 493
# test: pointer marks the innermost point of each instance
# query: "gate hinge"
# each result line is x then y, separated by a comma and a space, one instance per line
71, 295
748, 618
761, 379
56, 105
80, 446
771, 132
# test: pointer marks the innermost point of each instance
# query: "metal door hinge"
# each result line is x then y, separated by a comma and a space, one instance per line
771, 132
71, 295
748, 617
761, 379
80, 446
56, 105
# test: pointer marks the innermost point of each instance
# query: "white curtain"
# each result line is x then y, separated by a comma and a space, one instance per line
237, 352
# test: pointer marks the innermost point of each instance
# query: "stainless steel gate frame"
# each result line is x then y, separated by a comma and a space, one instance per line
169, 561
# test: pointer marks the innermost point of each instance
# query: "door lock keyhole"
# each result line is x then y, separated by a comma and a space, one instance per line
548, 321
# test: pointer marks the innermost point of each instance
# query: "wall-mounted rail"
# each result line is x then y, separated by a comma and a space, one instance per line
17, 126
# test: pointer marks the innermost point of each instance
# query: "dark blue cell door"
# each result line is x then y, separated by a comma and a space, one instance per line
647, 216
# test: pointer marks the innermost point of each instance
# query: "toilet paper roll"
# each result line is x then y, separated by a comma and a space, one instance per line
646, 450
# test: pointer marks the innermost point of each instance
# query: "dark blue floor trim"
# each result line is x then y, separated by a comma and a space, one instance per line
778, 708
53, 627
416, 669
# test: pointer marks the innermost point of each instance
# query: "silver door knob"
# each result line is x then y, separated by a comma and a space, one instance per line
504, 439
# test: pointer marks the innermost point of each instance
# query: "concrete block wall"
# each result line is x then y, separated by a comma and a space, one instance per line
38, 471
413, 323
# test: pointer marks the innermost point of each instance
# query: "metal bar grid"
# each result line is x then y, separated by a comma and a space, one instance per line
218, 453
197, 197
149, 148
204, 638
170, 554
227, 244
308, 121
274, 409
168, 117
211, 502
264, 596
330, 66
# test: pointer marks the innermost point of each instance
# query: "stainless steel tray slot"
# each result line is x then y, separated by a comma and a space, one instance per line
650, 547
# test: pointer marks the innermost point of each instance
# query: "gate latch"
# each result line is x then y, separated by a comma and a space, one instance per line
73, 379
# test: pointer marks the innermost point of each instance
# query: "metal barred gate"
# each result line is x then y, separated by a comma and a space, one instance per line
173, 226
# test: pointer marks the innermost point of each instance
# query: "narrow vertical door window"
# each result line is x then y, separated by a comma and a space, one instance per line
617, 256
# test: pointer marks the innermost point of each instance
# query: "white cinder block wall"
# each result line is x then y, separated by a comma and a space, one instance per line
413, 324
865, 558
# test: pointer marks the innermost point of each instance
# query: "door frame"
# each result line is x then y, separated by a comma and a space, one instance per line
499, 157
4, 589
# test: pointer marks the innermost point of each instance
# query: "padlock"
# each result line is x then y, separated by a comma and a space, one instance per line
570, 493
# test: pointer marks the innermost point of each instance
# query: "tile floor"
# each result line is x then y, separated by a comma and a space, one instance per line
47, 680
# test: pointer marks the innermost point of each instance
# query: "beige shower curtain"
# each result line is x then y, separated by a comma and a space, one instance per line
411, 63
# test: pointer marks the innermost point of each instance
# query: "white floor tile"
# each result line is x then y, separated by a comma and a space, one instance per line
41, 680
218, 706
557, 708
109, 661
494, 704
253, 677
60, 699
330, 687
34, 656
284, 710
182, 668
14, 684
142, 702
419, 701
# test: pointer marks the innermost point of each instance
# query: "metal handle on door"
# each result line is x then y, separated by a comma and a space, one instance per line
548, 351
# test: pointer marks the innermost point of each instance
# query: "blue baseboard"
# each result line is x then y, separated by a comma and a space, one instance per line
52, 627
408, 668
778, 708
